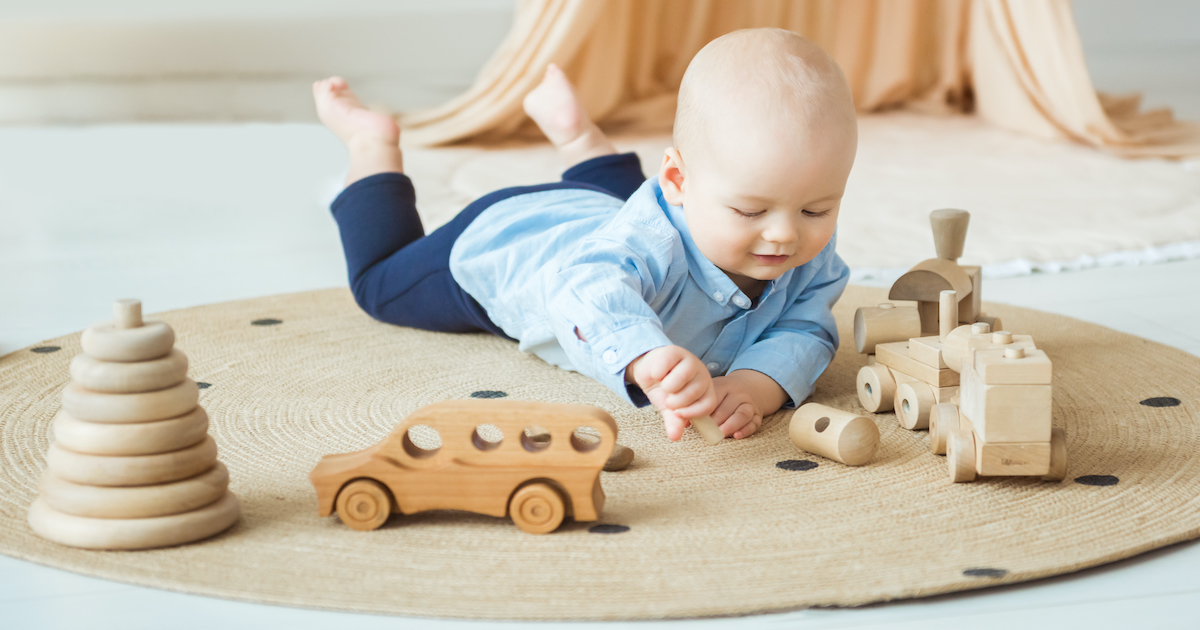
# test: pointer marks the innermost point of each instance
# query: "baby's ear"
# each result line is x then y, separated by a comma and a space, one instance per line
670, 177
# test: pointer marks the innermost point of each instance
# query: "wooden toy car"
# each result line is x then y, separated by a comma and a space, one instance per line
535, 462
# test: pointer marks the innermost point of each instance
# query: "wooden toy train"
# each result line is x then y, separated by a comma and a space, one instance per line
943, 365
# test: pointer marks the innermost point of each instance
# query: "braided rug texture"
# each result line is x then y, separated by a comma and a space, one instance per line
688, 530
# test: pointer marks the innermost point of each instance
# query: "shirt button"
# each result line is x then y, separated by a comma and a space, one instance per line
712, 366
718, 296
609, 356
741, 301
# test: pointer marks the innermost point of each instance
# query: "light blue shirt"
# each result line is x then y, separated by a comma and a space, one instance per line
630, 278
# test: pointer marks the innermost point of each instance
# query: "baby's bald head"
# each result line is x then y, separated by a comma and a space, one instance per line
763, 80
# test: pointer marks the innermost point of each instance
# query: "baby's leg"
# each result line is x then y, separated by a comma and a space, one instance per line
372, 138
555, 107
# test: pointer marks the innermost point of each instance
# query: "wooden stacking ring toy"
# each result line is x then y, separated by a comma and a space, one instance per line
140, 438
135, 502
85, 404
138, 470
129, 378
136, 533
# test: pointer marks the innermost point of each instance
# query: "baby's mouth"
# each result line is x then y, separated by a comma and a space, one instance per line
771, 260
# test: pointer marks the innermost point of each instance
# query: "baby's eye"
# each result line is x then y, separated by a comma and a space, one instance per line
817, 213
749, 213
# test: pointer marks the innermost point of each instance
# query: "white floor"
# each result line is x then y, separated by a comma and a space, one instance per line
187, 215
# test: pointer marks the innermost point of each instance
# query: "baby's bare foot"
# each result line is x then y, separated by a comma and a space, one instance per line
341, 111
555, 107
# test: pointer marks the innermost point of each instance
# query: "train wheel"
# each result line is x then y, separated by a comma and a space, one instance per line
943, 421
960, 456
876, 388
1058, 455
364, 505
913, 403
537, 508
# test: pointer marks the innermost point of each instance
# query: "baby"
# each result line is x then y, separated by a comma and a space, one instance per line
705, 290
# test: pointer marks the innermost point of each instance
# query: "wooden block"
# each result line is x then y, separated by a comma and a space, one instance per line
947, 313
93, 406
1006, 413
884, 323
876, 388
107, 342
949, 232
620, 459
476, 476
138, 470
896, 356
129, 378
959, 346
928, 278
140, 438
944, 394
138, 533
137, 501
1012, 459
970, 306
708, 429
927, 350
929, 312
1013, 365
838, 435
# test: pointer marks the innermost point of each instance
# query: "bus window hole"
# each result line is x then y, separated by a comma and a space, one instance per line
535, 439
585, 439
421, 441
487, 437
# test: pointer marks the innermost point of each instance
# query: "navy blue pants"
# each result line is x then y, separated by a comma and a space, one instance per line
401, 276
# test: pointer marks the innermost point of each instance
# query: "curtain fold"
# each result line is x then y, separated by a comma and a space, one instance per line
1018, 64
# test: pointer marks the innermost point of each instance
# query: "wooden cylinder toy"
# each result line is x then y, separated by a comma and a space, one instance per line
127, 313
884, 324
913, 403
947, 313
949, 232
876, 388
838, 435
708, 429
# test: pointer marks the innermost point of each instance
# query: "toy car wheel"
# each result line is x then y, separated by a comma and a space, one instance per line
364, 505
943, 421
960, 456
913, 403
537, 508
1058, 456
876, 388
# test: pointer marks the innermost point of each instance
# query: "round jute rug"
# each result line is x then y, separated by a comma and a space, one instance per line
689, 530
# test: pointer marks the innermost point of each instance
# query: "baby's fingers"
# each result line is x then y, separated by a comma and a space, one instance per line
674, 425
742, 423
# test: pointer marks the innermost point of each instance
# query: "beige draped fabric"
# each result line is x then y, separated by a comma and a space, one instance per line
1017, 63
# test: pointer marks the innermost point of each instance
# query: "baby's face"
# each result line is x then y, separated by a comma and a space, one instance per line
761, 203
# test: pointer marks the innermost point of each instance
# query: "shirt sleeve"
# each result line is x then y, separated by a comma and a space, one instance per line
605, 290
797, 348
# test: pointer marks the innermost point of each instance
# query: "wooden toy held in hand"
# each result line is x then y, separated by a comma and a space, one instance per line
537, 463
132, 465
839, 435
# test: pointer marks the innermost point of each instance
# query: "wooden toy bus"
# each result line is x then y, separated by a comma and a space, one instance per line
537, 463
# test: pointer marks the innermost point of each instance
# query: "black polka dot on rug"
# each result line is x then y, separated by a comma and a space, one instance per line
203, 385
608, 528
1097, 480
984, 572
1161, 401
488, 393
266, 322
796, 464
45, 349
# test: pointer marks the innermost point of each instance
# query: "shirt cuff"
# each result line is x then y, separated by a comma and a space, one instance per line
610, 354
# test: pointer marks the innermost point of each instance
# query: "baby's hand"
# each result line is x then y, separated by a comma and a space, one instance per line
677, 383
736, 413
